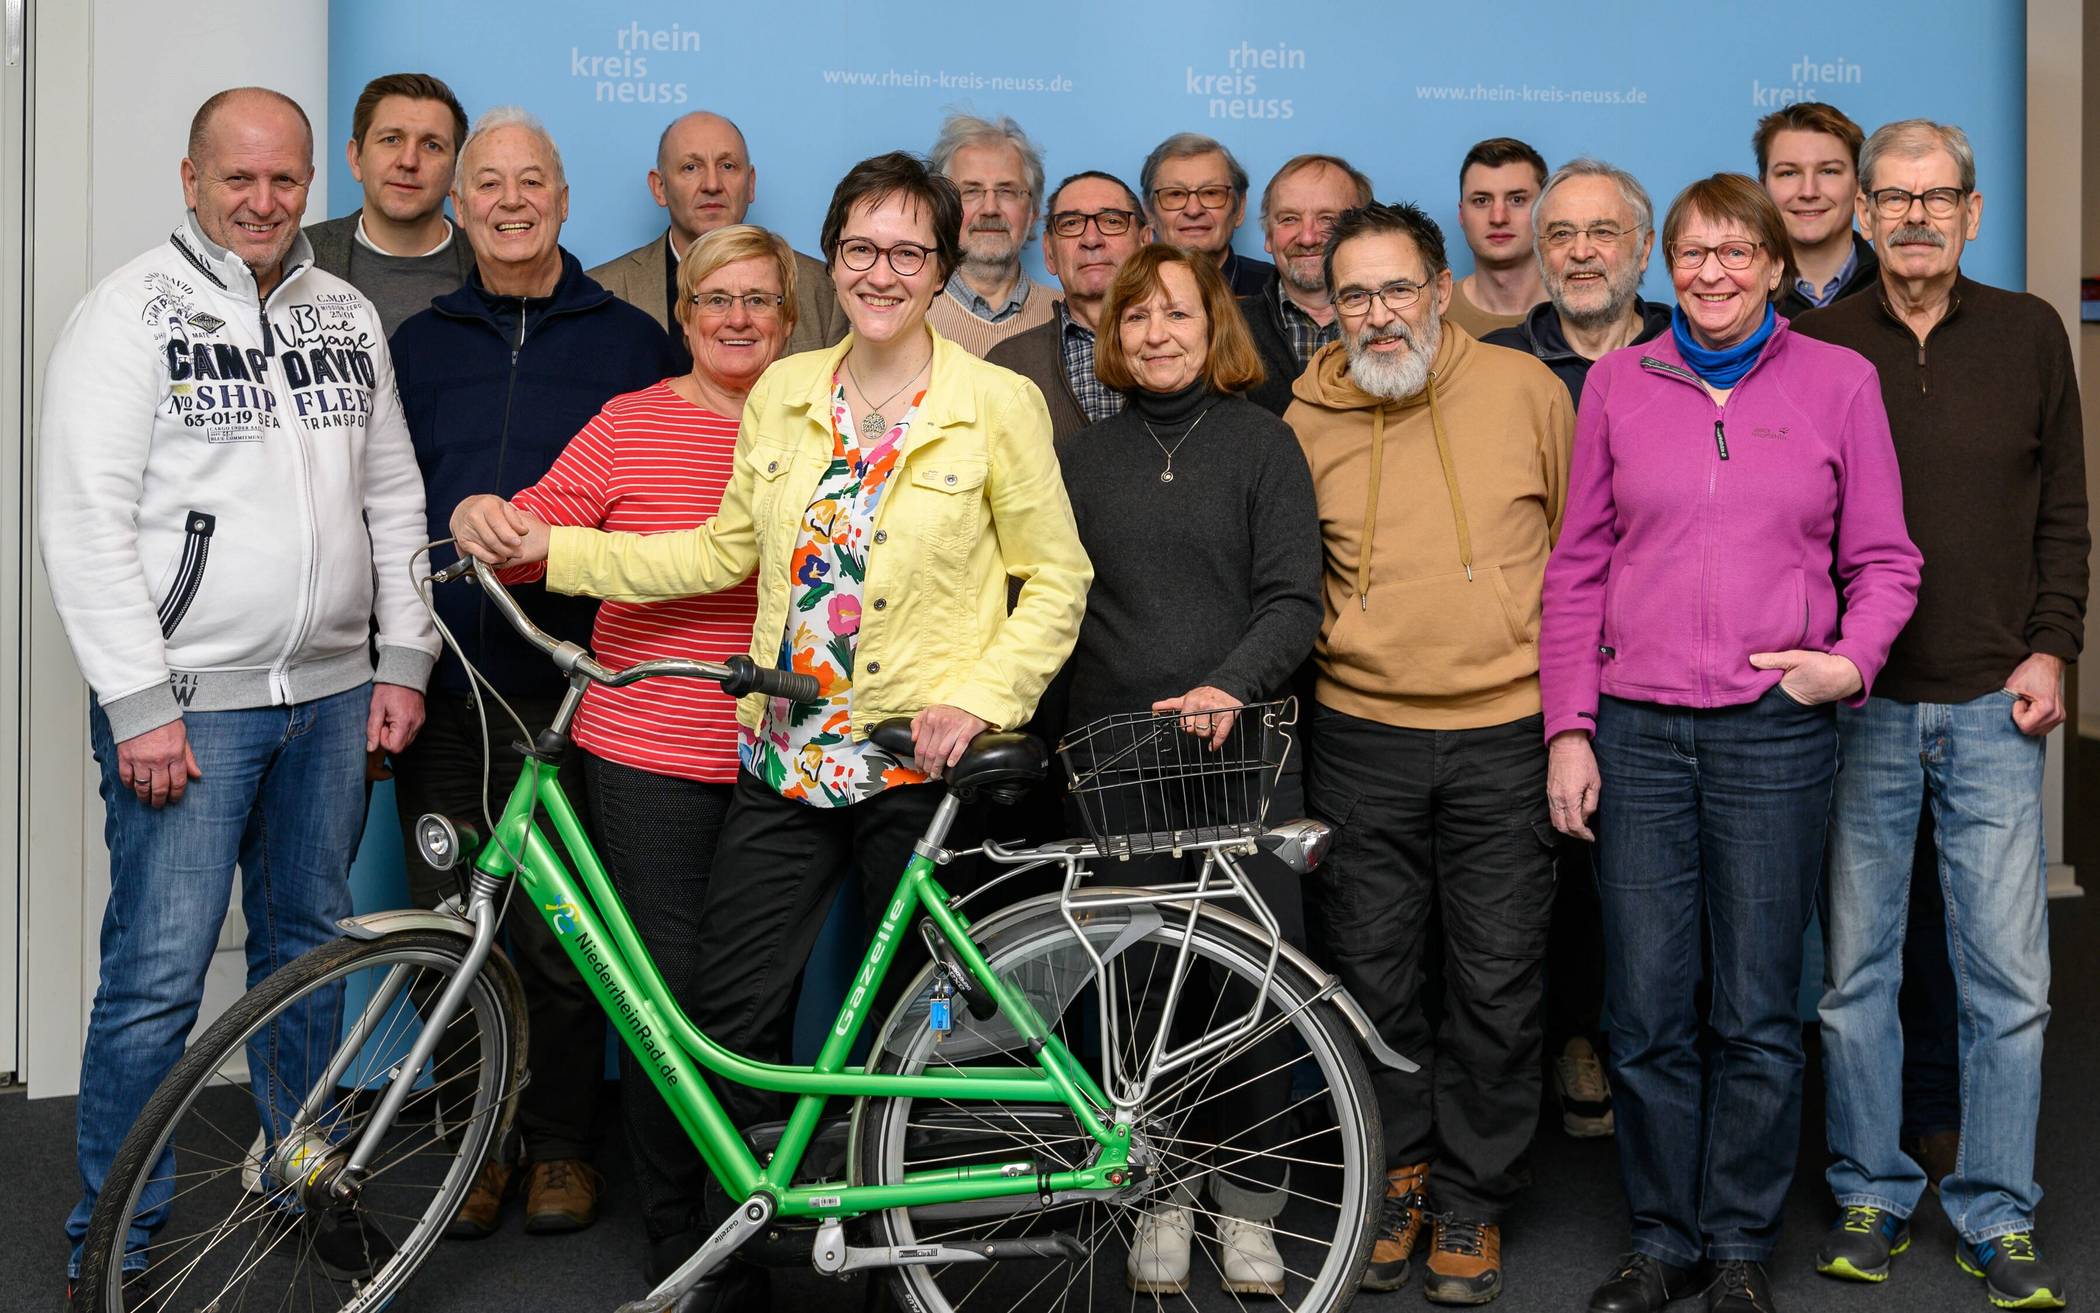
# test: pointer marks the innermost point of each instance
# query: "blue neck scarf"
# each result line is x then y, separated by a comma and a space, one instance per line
1720, 368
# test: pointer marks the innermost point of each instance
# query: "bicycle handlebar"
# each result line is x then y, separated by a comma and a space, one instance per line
737, 676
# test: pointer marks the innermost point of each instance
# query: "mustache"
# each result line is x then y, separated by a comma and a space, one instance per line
991, 224
1918, 232
1393, 332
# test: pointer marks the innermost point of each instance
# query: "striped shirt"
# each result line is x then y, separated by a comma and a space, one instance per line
652, 461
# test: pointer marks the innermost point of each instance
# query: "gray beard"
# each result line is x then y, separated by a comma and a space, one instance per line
1623, 288
1400, 378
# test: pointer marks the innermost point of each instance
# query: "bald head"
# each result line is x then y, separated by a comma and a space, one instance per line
703, 175
249, 108
701, 122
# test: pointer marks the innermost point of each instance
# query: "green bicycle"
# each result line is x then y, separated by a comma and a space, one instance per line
980, 1158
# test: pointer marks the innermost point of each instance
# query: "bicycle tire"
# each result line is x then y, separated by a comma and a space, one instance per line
1324, 1260
260, 1243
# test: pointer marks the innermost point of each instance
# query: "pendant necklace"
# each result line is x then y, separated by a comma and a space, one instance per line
872, 424
1167, 475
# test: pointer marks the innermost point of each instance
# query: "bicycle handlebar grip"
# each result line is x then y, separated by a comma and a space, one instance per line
747, 676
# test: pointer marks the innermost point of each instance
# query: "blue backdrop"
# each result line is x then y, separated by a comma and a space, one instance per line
1400, 90
1671, 93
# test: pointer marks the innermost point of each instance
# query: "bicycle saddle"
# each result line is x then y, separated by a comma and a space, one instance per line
1000, 766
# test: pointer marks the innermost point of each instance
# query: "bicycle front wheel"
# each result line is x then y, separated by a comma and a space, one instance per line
193, 1214
1279, 1129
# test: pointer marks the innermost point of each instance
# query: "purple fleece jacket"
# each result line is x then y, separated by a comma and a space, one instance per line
1697, 534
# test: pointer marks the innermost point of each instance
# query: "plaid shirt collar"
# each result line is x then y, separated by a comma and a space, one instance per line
1306, 333
983, 309
1096, 399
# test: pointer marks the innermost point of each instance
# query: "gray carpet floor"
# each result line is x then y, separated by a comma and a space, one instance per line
1561, 1239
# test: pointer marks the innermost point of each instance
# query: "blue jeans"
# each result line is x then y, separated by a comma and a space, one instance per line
1983, 780
1721, 812
282, 795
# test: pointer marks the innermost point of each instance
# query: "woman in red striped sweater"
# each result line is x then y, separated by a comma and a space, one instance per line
660, 756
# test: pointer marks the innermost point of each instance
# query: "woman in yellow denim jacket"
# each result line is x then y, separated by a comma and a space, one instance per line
890, 492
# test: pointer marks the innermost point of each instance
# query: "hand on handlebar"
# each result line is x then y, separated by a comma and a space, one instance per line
493, 531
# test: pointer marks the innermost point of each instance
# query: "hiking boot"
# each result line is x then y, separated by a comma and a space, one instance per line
1585, 1096
482, 1212
2014, 1275
1739, 1287
561, 1195
1249, 1263
1399, 1227
1860, 1244
1465, 1262
1158, 1262
1643, 1284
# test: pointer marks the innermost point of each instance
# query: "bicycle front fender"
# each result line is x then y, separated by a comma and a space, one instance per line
374, 925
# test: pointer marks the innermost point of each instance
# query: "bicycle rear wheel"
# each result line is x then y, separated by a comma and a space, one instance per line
191, 1206
1321, 1135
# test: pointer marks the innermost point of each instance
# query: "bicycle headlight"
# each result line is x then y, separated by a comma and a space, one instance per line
438, 842
1300, 844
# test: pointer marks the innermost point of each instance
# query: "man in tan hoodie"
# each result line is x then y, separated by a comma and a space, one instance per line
1440, 466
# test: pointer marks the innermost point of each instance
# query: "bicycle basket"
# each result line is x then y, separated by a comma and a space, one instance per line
1144, 783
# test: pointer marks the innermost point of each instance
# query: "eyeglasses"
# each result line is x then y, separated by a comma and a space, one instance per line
1732, 255
1177, 198
1003, 195
1939, 202
1602, 235
1397, 296
860, 254
759, 305
1109, 223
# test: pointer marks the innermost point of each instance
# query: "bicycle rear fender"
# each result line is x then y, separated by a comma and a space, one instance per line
988, 929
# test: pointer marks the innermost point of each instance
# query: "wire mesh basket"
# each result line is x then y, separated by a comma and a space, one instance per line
1147, 782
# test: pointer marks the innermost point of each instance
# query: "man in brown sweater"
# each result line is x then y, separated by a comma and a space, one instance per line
1983, 404
1440, 467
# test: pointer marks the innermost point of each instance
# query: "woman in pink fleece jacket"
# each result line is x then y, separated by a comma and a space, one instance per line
1728, 480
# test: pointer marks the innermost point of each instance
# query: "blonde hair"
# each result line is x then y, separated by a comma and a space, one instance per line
727, 245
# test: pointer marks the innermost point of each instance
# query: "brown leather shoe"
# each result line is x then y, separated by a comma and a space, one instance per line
1465, 1262
561, 1195
1399, 1227
1936, 1153
482, 1213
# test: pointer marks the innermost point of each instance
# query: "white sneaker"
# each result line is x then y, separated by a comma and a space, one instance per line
1159, 1252
251, 1166
1585, 1096
1251, 1265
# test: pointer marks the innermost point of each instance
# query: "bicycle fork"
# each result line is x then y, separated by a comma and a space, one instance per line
306, 1157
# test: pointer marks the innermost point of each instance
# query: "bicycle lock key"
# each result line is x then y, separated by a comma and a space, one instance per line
938, 1017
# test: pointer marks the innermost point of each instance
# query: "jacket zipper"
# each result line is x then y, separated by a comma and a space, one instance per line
1713, 475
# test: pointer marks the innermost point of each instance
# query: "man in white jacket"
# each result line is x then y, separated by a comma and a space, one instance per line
227, 499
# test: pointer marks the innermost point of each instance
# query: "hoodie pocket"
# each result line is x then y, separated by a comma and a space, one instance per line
197, 530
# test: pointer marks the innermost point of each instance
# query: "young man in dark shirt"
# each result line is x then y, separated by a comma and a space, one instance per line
398, 248
1983, 403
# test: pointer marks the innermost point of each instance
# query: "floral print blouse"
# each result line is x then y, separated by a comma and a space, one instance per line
804, 750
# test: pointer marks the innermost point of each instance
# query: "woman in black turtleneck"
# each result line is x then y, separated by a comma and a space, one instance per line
1196, 508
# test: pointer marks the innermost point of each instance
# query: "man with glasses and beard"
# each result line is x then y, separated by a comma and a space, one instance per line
1983, 405
1440, 466
1290, 318
1595, 227
999, 173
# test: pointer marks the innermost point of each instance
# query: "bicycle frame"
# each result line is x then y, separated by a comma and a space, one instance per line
594, 928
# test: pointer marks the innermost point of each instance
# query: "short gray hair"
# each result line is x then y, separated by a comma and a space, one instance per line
1914, 139
510, 116
1630, 191
962, 130
1187, 145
